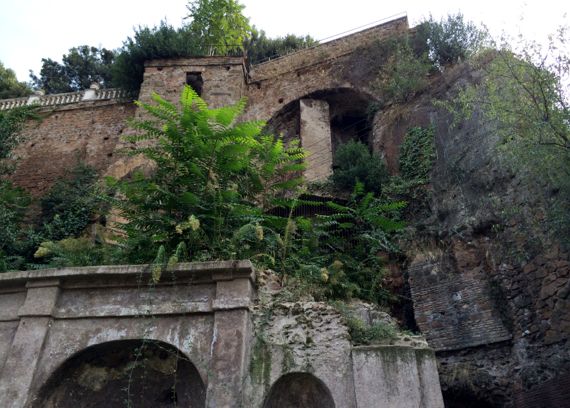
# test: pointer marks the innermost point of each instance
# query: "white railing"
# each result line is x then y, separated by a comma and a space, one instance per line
91, 94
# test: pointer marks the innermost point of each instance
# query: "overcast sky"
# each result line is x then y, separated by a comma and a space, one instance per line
34, 29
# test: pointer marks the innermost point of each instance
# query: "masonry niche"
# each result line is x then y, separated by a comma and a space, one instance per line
322, 121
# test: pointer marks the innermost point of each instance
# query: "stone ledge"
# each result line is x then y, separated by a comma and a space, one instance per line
211, 271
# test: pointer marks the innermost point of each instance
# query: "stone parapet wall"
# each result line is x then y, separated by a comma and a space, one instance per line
395, 376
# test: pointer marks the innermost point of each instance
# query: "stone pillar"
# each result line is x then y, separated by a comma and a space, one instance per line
35, 318
231, 339
316, 138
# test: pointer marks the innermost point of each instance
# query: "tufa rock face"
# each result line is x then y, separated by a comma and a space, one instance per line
488, 278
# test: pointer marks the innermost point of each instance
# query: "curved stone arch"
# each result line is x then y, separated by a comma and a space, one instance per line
323, 120
309, 91
146, 373
299, 390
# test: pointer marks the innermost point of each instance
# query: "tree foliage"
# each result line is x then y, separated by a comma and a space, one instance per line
163, 41
261, 48
219, 25
80, 67
10, 87
523, 96
452, 39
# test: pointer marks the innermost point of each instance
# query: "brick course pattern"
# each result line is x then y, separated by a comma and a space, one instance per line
455, 310
87, 132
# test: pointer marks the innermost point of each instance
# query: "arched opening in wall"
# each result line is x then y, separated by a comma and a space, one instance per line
299, 390
129, 373
322, 121
349, 117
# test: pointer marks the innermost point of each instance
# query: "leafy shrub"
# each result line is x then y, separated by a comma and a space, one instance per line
69, 206
13, 200
417, 154
72, 252
13, 206
405, 73
341, 250
212, 177
451, 40
362, 333
354, 163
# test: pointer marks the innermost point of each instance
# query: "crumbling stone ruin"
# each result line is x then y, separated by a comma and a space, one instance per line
499, 329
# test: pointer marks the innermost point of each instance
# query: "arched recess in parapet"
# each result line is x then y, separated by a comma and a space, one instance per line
299, 390
126, 373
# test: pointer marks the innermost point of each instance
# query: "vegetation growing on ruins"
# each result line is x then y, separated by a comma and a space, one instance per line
215, 180
13, 200
524, 95
67, 208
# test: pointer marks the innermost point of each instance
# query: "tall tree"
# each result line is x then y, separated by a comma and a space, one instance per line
220, 25
80, 67
163, 41
9, 85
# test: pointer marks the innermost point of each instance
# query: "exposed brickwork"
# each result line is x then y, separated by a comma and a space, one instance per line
223, 79
87, 132
327, 51
454, 308
341, 63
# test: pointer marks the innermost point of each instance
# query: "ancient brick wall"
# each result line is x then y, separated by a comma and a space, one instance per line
222, 79
330, 50
87, 132
454, 307
342, 63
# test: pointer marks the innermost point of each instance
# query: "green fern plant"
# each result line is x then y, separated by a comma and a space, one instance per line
213, 175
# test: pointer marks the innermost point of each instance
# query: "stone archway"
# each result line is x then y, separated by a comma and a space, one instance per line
322, 121
127, 373
299, 390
